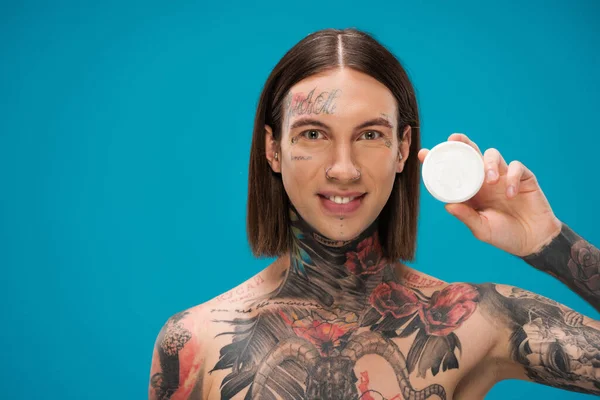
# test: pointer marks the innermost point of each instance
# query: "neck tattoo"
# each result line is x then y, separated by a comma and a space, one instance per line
334, 271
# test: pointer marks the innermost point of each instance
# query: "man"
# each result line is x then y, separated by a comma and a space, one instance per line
333, 192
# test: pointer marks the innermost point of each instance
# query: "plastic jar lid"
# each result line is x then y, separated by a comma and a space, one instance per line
453, 172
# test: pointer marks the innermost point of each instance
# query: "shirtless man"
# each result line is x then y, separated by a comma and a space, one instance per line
333, 192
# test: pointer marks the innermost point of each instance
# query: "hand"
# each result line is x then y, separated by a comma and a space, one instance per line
510, 210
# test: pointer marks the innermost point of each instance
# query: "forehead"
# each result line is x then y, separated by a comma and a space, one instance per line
353, 95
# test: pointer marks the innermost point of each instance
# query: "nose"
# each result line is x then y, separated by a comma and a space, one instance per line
342, 167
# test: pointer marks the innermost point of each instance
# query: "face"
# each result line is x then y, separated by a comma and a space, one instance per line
339, 151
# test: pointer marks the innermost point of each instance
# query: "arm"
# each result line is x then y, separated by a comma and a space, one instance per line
177, 371
543, 341
573, 261
511, 212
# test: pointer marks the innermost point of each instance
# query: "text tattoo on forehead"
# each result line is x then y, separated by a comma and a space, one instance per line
305, 104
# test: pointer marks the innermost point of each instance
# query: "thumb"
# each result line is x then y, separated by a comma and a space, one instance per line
468, 216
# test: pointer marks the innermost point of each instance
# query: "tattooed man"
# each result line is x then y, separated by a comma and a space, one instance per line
333, 193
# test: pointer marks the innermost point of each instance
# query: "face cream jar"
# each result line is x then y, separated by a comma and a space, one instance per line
453, 172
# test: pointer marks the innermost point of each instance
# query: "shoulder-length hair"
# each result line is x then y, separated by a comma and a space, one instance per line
268, 204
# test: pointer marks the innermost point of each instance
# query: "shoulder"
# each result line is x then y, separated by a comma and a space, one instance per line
515, 314
178, 360
515, 309
542, 340
193, 322
510, 305
184, 350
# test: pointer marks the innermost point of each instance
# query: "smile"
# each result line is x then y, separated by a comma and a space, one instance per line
341, 204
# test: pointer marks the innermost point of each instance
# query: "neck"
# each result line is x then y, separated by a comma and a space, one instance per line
334, 272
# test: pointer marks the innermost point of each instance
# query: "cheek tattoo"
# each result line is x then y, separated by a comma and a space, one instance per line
387, 141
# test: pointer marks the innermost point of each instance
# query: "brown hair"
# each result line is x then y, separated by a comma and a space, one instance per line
268, 203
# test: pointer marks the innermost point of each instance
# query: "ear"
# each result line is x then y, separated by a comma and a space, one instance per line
404, 148
272, 148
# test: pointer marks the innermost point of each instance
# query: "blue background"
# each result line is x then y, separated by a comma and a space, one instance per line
124, 142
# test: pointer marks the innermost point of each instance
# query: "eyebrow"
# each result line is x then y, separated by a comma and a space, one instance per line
380, 121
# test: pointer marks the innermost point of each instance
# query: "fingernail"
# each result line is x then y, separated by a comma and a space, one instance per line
491, 175
511, 191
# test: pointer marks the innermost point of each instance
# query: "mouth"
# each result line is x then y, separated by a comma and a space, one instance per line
336, 204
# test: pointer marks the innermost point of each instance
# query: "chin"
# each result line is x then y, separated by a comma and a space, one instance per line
344, 233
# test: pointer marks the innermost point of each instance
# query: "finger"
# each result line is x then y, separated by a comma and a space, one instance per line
495, 165
471, 218
422, 154
517, 173
461, 137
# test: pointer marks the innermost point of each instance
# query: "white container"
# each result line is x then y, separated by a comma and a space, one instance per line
453, 172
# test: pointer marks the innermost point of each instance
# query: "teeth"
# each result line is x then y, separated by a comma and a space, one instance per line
341, 200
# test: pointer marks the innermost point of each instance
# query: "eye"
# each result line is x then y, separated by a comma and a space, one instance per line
370, 135
312, 134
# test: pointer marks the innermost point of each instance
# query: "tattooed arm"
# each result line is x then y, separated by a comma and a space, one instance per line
573, 261
177, 362
541, 340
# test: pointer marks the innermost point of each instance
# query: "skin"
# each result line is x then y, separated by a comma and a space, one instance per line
335, 308
359, 98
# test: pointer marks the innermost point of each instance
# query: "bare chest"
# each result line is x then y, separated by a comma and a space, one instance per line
397, 343
366, 366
